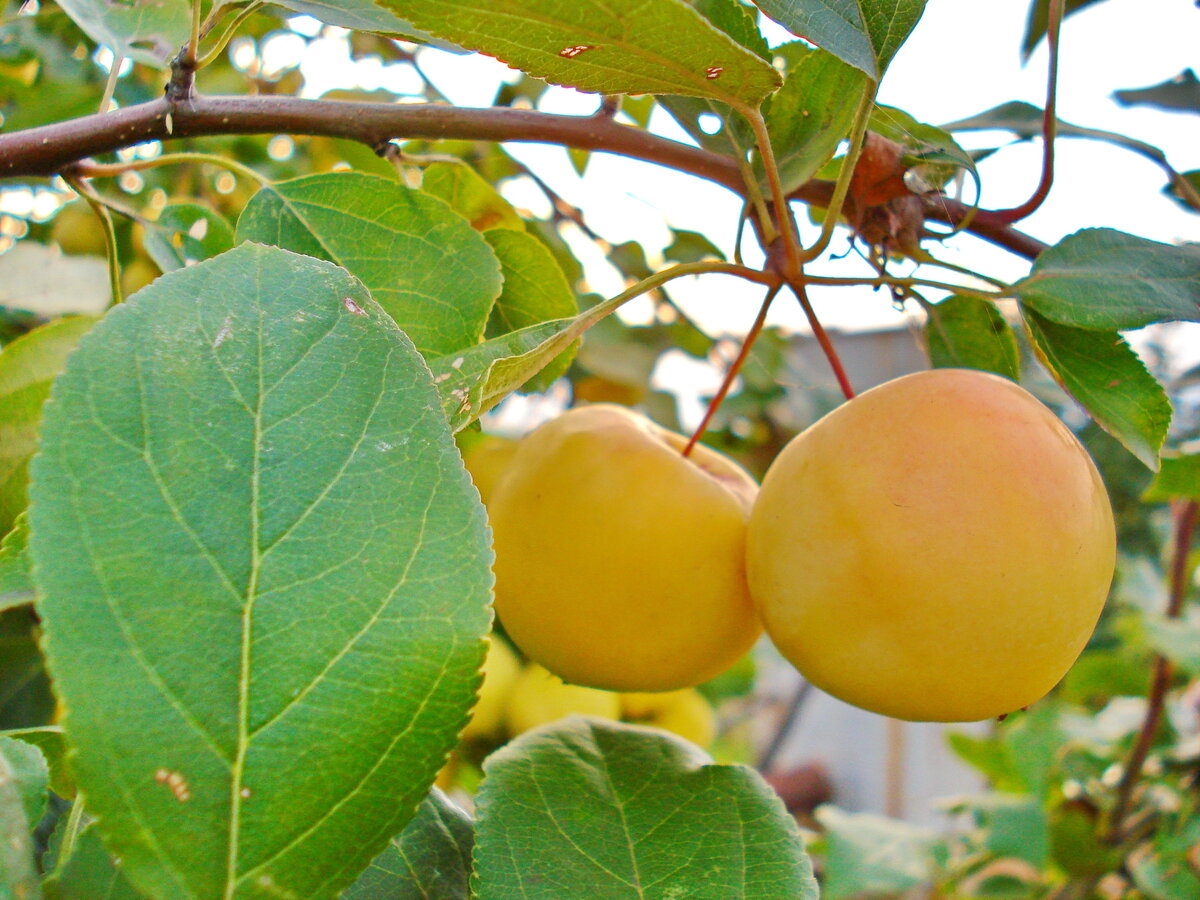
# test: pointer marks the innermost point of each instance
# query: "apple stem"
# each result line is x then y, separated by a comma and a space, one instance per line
831, 354
1184, 521
734, 368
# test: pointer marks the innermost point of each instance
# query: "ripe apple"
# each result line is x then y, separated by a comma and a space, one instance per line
620, 563
486, 457
501, 668
538, 697
937, 549
684, 712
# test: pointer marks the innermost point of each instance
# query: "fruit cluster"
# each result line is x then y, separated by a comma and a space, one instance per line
937, 549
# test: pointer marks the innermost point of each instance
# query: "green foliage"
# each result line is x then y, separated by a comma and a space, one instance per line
864, 33
430, 859
421, 261
633, 813
242, 614
969, 333
622, 47
336, 498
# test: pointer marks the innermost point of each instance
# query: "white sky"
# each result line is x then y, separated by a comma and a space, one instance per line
963, 58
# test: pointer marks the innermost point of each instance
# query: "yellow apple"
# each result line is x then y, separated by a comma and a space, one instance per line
500, 671
539, 698
684, 712
486, 457
620, 563
78, 231
937, 549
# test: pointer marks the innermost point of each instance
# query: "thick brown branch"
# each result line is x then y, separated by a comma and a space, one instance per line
51, 149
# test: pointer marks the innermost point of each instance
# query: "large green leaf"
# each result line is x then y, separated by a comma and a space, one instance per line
969, 333
429, 860
1108, 280
16, 582
421, 261
812, 112
18, 877
589, 808
27, 367
1106, 377
149, 31
864, 33
89, 873
263, 574
604, 46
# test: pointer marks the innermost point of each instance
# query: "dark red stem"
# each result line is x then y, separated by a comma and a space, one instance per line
734, 368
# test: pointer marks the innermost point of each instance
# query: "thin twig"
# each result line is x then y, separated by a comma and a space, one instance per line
783, 729
46, 150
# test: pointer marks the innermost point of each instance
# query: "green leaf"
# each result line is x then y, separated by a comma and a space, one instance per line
474, 380
28, 366
18, 877
585, 807
970, 333
148, 31
1177, 477
690, 246
263, 575
864, 33
1106, 377
603, 46
1108, 280
868, 855
469, 195
30, 775
50, 741
89, 873
421, 261
812, 112
1180, 93
429, 860
535, 291
26, 700
16, 581
186, 233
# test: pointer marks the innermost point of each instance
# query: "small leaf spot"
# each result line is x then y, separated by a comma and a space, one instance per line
457, 364
244, 792
225, 331
572, 52
713, 72
353, 307
175, 782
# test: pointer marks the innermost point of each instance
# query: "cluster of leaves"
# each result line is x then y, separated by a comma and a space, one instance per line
240, 539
